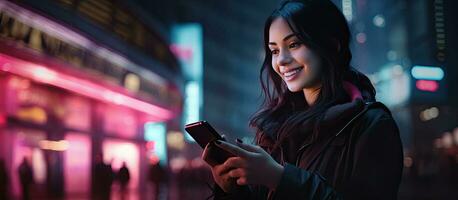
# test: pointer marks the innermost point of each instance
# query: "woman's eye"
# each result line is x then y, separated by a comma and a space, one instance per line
294, 45
274, 52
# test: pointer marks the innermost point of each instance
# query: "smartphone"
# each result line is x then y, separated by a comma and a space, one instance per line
203, 133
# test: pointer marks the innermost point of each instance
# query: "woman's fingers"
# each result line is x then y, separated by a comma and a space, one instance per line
222, 169
240, 175
205, 152
237, 173
249, 147
234, 162
237, 151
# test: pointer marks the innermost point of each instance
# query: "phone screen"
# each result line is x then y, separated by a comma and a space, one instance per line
202, 132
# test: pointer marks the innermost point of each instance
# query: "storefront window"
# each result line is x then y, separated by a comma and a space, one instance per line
116, 152
25, 145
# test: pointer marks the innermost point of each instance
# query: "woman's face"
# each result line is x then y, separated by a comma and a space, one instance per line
294, 62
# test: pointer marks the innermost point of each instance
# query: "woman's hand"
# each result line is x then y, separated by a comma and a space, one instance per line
219, 171
251, 165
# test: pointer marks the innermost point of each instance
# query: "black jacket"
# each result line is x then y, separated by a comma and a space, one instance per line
360, 158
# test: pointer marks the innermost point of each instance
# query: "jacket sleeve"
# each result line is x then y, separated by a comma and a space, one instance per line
241, 193
376, 170
297, 183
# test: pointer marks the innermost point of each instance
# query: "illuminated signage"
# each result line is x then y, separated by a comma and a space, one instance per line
426, 85
80, 86
187, 45
155, 135
427, 73
85, 56
427, 77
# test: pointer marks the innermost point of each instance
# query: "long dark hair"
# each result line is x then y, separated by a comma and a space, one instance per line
322, 28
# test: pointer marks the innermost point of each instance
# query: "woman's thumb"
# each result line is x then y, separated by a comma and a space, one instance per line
248, 147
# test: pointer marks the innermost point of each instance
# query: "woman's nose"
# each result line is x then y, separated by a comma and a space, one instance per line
284, 58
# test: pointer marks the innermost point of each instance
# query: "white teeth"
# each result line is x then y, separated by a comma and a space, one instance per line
291, 73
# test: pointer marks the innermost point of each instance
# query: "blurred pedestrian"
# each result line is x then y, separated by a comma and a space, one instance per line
123, 176
25, 178
4, 181
157, 176
103, 179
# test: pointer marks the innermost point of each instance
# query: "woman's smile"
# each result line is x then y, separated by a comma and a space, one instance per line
292, 74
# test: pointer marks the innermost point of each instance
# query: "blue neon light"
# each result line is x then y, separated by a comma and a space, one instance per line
427, 73
157, 132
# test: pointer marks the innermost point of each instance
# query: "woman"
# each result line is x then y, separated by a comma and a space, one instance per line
320, 133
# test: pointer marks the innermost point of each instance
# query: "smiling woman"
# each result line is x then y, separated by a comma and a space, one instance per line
293, 61
320, 134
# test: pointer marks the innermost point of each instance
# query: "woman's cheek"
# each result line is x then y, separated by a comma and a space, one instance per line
275, 67
273, 64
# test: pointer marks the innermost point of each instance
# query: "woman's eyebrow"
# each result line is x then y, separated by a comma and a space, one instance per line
285, 38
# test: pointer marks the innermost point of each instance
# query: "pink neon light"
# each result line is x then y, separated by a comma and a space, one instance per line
80, 86
2, 120
184, 53
120, 121
427, 85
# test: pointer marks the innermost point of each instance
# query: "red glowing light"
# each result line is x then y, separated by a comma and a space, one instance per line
153, 159
150, 145
427, 85
80, 86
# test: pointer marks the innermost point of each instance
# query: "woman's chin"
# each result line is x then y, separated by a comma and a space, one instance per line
293, 88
